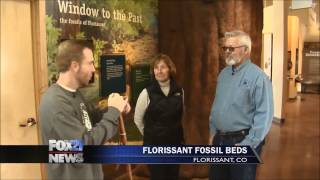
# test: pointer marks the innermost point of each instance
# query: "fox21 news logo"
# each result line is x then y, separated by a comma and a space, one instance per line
65, 151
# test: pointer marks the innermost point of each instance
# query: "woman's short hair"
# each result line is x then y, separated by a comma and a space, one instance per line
167, 60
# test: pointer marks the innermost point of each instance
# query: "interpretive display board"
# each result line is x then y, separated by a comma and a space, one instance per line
112, 74
140, 78
128, 27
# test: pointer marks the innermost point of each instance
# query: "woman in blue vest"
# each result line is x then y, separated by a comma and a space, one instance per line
158, 113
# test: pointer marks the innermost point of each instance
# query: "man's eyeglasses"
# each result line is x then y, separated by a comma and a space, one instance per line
230, 48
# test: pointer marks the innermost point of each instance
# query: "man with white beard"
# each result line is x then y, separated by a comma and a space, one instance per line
242, 111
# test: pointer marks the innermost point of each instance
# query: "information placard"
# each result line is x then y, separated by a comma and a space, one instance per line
112, 73
140, 78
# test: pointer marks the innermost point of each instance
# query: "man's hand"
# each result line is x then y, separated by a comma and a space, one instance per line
127, 108
119, 102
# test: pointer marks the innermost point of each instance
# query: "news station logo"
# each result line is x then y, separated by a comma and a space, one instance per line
65, 151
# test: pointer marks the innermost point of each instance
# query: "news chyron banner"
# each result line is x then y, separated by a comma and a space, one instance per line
74, 151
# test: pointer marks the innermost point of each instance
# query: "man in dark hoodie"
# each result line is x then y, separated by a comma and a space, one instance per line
64, 114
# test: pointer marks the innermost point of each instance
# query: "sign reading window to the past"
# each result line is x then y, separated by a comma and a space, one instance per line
112, 73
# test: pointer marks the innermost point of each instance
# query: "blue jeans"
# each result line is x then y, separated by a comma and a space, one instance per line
233, 171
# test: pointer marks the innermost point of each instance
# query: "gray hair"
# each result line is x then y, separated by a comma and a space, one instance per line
243, 37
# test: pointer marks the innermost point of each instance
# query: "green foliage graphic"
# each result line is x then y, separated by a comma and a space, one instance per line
53, 34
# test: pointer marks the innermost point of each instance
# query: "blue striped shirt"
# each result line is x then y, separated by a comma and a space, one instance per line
243, 100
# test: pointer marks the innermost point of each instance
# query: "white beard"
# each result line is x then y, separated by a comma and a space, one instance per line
232, 61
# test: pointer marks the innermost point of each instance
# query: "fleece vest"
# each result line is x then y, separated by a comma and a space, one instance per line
163, 115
